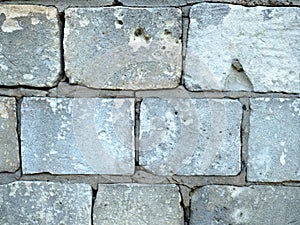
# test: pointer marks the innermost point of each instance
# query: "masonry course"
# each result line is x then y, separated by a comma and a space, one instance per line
274, 156
247, 37
190, 136
77, 136
123, 48
108, 117
38, 203
257, 204
9, 147
30, 45
138, 204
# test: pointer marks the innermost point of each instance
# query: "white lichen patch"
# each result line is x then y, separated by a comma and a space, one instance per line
4, 113
84, 22
28, 76
13, 12
35, 21
137, 42
282, 158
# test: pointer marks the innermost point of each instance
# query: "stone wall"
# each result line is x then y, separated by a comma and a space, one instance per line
150, 112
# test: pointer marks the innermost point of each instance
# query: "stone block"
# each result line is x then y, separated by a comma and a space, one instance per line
77, 136
123, 48
137, 204
9, 147
236, 48
274, 140
29, 46
219, 204
29, 202
190, 136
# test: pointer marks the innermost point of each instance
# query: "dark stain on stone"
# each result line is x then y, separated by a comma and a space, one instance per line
2, 18
139, 32
267, 13
238, 80
211, 14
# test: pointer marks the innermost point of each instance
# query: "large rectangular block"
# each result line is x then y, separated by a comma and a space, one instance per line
77, 136
29, 45
190, 136
9, 147
274, 140
123, 48
245, 205
120, 204
236, 48
39, 203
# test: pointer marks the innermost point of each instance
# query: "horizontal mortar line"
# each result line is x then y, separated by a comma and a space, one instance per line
55, 3
277, 183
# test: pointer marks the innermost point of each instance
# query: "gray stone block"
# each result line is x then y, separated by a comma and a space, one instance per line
28, 202
238, 48
274, 140
9, 150
245, 205
77, 136
120, 204
29, 46
190, 136
123, 48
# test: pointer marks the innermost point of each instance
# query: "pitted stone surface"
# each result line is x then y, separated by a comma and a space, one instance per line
39, 203
138, 204
190, 136
9, 150
232, 47
77, 136
245, 205
29, 45
123, 48
274, 140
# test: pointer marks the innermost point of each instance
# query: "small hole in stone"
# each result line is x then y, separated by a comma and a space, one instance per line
163, 47
167, 32
138, 32
176, 112
147, 38
120, 22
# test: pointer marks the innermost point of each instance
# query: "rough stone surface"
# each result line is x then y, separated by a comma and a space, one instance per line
253, 2
9, 150
245, 205
38, 203
190, 136
274, 140
232, 47
29, 46
77, 136
123, 48
138, 204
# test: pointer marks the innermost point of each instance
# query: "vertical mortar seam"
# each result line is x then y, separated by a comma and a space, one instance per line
244, 133
18, 115
185, 29
137, 106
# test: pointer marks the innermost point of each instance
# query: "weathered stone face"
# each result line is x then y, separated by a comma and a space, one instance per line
77, 136
137, 204
29, 46
274, 140
38, 203
190, 136
123, 48
245, 205
9, 150
237, 48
